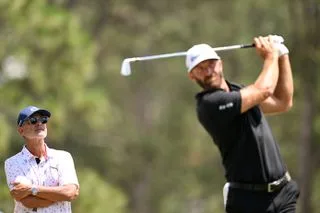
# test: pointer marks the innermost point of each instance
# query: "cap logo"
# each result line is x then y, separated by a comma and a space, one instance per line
192, 58
32, 109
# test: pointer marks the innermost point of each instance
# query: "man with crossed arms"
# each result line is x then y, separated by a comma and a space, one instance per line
40, 179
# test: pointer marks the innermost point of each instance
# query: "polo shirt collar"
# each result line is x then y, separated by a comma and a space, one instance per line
26, 154
29, 156
232, 86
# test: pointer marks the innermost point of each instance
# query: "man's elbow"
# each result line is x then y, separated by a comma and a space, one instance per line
16, 197
266, 90
286, 106
27, 203
289, 105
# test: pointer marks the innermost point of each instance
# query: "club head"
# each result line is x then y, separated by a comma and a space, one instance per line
125, 67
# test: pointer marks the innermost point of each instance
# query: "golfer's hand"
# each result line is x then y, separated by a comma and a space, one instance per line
282, 49
279, 44
276, 38
20, 190
265, 47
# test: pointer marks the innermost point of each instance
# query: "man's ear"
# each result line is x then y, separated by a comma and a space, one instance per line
20, 130
191, 76
221, 63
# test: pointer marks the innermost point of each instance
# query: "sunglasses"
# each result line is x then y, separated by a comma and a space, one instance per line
34, 120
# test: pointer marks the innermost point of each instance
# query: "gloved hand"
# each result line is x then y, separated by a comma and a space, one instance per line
282, 49
278, 41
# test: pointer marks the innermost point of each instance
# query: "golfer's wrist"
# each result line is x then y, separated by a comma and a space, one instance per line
271, 56
283, 57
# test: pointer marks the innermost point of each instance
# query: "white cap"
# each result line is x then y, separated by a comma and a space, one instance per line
199, 53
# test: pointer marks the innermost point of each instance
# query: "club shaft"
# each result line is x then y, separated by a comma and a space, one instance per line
151, 57
169, 55
232, 47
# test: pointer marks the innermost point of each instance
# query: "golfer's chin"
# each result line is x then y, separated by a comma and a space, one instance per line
212, 83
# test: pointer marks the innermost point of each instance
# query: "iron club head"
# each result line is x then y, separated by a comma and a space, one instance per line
125, 67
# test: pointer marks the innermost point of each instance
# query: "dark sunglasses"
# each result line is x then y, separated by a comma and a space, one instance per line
34, 120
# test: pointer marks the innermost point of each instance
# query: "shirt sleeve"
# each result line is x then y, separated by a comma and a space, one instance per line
13, 172
222, 105
67, 170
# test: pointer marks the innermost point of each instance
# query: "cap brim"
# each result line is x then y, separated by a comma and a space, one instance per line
41, 112
201, 59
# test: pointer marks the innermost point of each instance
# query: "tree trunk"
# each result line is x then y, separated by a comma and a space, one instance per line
305, 155
141, 193
306, 14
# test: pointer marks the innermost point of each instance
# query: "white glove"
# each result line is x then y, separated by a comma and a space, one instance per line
282, 49
278, 41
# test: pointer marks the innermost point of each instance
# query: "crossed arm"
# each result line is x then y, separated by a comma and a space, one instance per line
46, 195
35, 202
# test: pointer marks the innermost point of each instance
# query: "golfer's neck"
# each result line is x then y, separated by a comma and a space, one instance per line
225, 86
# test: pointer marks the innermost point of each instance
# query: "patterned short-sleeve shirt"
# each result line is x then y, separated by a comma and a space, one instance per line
56, 169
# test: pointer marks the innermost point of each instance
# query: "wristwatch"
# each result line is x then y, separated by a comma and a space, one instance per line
34, 190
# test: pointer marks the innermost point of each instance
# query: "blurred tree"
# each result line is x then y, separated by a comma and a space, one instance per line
104, 197
306, 56
140, 135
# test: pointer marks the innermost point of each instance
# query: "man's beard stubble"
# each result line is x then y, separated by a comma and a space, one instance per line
206, 86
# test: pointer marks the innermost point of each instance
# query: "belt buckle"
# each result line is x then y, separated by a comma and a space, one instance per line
276, 183
273, 185
288, 177
270, 189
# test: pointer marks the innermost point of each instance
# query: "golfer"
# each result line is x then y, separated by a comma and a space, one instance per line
40, 179
257, 178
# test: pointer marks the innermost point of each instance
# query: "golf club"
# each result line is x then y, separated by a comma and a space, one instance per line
126, 69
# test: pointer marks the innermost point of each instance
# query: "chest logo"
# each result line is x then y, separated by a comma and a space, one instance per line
225, 106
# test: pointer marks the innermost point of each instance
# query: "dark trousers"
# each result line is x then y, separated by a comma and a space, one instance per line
245, 201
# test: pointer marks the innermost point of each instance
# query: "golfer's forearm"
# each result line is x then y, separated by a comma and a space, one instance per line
284, 89
35, 202
268, 78
58, 193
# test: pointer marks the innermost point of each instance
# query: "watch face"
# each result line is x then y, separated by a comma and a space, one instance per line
34, 191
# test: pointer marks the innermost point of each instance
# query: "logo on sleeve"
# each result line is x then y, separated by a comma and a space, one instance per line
226, 106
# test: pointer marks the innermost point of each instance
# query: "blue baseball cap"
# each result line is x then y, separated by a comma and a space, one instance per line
28, 111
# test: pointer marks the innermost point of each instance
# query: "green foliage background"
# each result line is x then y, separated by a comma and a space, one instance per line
136, 141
